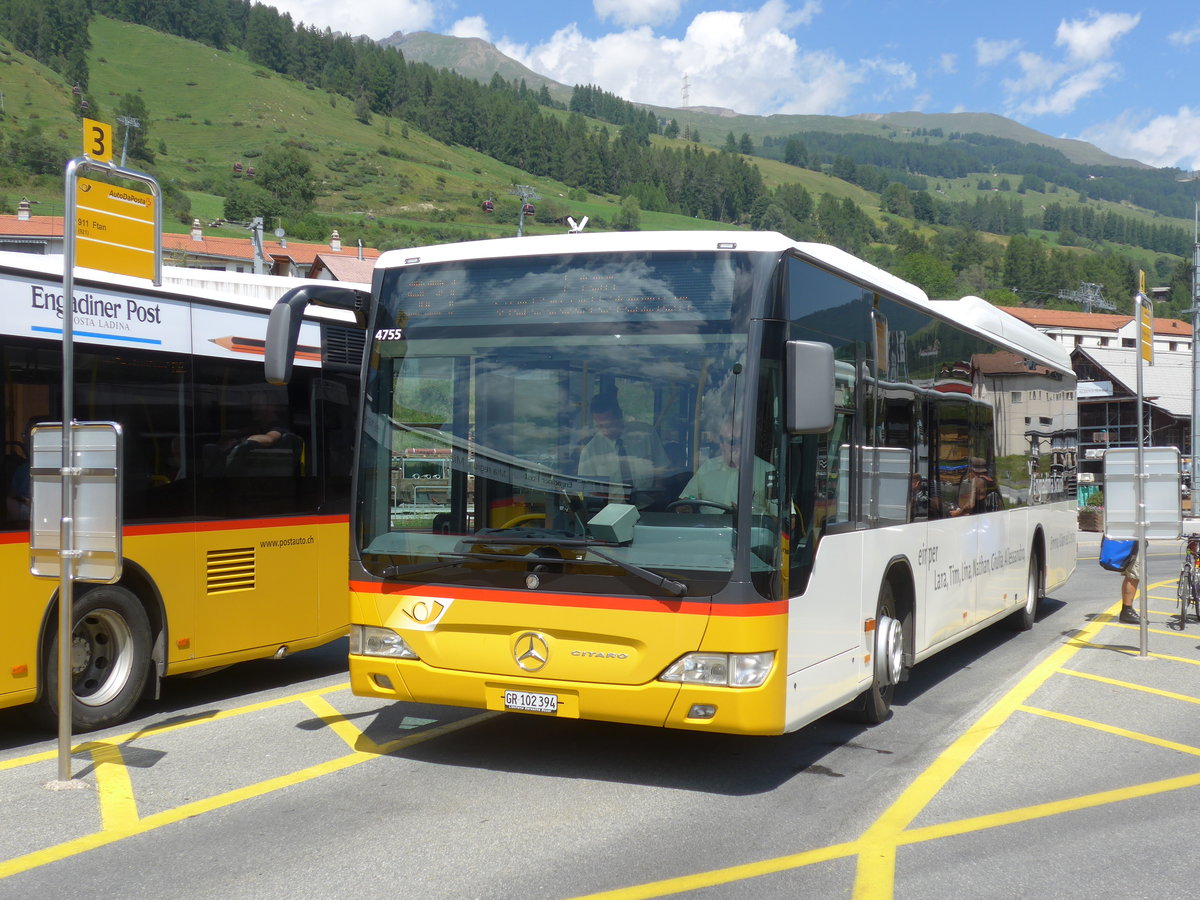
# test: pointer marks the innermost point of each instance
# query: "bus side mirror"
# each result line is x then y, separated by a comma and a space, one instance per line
283, 333
810, 387
283, 326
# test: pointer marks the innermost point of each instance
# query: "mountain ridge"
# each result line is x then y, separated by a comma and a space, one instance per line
479, 60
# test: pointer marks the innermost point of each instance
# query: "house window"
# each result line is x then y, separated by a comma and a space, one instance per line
1104, 342
1015, 396
1078, 340
1128, 342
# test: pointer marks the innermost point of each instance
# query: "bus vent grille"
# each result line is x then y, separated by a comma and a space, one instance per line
343, 345
230, 570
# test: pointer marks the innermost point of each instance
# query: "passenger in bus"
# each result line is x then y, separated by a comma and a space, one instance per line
628, 455
717, 478
976, 492
239, 453
20, 486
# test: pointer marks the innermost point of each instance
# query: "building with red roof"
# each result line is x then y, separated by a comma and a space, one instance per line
28, 233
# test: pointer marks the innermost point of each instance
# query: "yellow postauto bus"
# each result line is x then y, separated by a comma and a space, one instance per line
722, 482
235, 492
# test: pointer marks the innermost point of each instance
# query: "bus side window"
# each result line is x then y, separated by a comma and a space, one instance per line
255, 442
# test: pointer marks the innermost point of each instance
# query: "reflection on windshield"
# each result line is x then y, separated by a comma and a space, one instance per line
532, 444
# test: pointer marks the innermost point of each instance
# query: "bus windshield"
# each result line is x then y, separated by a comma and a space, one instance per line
561, 422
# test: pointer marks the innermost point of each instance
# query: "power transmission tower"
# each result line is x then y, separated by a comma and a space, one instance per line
686, 91
1088, 296
527, 194
129, 122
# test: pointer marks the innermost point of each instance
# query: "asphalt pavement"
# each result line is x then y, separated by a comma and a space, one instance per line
1079, 776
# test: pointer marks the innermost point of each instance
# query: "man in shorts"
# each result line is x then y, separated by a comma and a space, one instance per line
1132, 570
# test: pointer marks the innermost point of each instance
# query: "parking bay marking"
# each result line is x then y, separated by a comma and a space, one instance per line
876, 849
118, 803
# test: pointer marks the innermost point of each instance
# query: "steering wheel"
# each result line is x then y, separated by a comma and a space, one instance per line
687, 501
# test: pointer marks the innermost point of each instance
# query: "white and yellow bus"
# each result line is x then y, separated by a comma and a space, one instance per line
818, 479
234, 547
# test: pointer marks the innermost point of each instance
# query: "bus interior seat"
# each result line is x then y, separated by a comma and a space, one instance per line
251, 460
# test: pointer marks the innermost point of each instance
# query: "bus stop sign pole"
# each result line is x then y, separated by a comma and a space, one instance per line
98, 147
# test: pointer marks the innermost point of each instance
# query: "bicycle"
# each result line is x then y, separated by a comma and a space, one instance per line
1189, 580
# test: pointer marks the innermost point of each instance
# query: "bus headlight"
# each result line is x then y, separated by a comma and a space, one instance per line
369, 640
722, 669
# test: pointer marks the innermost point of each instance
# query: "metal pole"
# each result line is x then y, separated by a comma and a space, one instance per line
1194, 468
1195, 448
1139, 480
66, 539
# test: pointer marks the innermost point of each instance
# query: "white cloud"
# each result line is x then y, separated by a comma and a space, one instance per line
727, 56
1070, 90
376, 20
470, 27
948, 63
1163, 140
988, 53
637, 12
1088, 41
1184, 38
1057, 87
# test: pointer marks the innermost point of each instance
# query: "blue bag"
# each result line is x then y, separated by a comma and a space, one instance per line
1115, 554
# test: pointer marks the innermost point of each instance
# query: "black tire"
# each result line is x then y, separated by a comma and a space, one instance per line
874, 705
1185, 591
1023, 618
110, 660
1194, 591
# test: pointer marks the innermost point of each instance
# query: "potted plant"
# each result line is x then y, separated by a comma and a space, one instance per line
1091, 516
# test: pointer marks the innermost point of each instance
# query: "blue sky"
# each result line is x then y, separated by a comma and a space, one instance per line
1124, 76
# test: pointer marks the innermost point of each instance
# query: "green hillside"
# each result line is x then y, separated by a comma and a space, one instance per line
210, 109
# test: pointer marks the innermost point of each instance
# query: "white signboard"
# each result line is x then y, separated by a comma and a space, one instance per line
1160, 493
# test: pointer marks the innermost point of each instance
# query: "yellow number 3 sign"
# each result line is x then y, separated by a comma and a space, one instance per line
97, 140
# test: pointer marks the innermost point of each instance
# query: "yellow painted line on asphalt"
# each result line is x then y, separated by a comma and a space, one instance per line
118, 807
356, 739
114, 787
1113, 730
1166, 632
1133, 651
744, 872
876, 874
1046, 810
876, 849
1128, 685
168, 727
886, 853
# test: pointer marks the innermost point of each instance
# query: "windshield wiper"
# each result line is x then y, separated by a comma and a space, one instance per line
394, 571
678, 588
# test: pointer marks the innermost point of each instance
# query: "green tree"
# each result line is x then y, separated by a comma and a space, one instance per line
286, 174
795, 153
362, 109
745, 145
928, 273
897, 200
245, 200
630, 216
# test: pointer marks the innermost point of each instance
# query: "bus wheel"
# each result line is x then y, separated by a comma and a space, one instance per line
110, 659
874, 705
1022, 619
